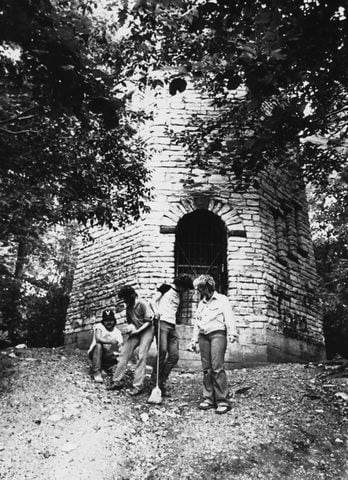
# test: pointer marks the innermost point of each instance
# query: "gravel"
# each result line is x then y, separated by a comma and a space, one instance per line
287, 421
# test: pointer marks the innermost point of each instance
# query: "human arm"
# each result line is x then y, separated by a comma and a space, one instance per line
113, 337
147, 314
154, 305
193, 345
140, 329
232, 334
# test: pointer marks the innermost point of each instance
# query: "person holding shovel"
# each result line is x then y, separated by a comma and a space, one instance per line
165, 305
213, 325
140, 332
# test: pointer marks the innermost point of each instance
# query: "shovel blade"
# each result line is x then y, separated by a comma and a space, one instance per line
156, 396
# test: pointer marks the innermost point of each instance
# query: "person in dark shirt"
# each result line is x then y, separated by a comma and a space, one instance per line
140, 332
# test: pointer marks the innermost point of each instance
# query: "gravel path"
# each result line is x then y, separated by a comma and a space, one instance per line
56, 424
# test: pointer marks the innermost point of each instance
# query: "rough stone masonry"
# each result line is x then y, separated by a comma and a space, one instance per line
256, 244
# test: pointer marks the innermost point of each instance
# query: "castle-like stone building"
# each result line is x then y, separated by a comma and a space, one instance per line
256, 244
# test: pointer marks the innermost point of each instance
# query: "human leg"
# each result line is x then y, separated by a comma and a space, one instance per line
109, 366
208, 391
218, 345
172, 354
96, 356
145, 341
109, 359
162, 348
126, 352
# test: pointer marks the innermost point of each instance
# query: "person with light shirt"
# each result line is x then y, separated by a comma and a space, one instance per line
166, 305
213, 325
104, 348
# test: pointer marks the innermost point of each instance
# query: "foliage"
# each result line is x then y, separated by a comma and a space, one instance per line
61, 159
45, 318
277, 69
33, 308
10, 307
69, 149
330, 226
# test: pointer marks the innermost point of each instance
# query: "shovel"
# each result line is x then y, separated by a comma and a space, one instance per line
156, 394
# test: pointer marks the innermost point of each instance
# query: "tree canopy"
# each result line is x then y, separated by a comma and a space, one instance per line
279, 71
68, 145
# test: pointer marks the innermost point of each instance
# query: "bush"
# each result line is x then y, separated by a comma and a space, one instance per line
46, 318
336, 331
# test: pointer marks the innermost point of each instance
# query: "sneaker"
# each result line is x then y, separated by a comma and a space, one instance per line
135, 391
205, 405
221, 409
166, 392
115, 385
98, 378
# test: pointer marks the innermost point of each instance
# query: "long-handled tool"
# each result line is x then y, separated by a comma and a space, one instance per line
156, 394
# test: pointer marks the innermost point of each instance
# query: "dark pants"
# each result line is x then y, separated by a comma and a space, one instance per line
168, 351
103, 358
213, 348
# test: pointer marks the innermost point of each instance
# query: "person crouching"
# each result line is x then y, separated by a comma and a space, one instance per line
104, 348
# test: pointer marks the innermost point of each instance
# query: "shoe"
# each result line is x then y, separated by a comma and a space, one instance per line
221, 409
115, 386
98, 378
205, 405
135, 391
165, 392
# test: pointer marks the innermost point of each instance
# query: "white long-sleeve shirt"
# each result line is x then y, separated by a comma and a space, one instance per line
212, 315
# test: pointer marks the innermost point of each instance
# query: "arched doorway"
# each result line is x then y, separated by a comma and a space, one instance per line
201, 248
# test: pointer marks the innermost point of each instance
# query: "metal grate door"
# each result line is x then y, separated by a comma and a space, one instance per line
200, 248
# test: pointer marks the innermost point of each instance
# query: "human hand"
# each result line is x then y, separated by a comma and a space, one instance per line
131, 329
232, 337
193, 347
119, 308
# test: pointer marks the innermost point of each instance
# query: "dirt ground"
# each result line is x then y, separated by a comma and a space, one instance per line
287, 421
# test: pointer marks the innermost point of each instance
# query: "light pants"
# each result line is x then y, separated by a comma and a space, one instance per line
143, 340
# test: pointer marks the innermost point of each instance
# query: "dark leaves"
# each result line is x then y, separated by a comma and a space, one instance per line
110, 110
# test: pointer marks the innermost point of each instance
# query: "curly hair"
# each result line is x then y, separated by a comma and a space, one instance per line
126, 292
185, 281
205, 281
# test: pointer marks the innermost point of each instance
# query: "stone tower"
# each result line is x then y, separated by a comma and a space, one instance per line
257, 245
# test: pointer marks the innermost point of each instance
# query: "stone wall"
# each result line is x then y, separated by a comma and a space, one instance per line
271, 270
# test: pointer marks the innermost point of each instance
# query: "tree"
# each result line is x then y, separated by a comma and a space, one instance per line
68, 144
277, 69
69, 149
329, 225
